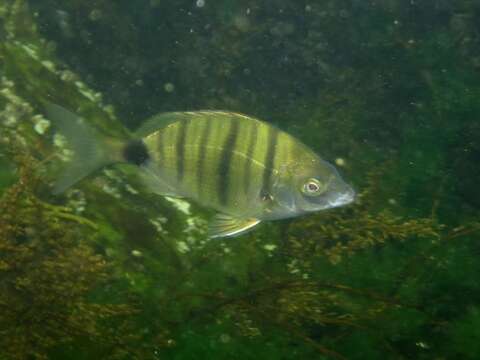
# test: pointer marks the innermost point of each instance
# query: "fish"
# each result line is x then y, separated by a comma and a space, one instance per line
245, 169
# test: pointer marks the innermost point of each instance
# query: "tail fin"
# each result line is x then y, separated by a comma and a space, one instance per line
91, 151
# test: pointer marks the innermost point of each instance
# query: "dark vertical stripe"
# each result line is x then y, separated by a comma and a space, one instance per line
202, 152
250, 151
180, 149
269, 157
225, 159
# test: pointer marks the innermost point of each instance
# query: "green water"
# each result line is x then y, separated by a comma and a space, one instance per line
388, 90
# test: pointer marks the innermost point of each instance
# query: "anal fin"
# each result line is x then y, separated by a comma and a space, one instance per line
223, 225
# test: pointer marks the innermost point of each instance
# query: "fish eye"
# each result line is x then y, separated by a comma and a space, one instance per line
313, 187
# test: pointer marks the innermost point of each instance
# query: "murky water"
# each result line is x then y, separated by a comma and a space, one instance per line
388, 92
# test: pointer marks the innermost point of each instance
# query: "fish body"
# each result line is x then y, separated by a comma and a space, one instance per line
246, 169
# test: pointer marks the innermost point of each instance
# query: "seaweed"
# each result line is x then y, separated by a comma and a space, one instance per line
339, 279
51, 278
306, 297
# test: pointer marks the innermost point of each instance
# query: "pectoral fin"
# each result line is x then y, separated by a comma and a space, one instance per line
224, 225
156, 184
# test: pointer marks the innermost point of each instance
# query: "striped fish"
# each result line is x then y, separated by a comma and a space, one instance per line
244, 168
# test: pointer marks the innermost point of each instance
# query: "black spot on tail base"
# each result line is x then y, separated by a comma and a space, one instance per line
136, 152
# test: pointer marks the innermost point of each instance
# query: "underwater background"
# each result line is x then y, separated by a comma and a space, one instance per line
389, 91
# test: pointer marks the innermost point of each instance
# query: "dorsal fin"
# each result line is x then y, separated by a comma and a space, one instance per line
162, 120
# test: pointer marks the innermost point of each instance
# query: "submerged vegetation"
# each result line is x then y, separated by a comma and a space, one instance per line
46, 275
56, 288
107, 270
329, 282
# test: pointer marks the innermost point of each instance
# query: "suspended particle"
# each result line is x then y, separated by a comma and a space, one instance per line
169, 87
340, 162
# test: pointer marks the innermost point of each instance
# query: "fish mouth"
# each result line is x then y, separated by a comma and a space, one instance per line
343, 198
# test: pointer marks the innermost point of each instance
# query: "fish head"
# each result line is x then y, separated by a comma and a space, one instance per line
317, 185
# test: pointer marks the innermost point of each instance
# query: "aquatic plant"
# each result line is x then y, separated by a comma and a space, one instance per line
309, 296
50, 275
331, 282
344, 232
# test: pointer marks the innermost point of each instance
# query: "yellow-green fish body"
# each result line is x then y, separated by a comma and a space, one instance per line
223, 160
244, 168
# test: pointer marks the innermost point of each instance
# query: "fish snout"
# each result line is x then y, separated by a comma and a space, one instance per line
343, 197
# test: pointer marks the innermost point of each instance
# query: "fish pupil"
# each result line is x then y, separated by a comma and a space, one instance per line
135, 152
